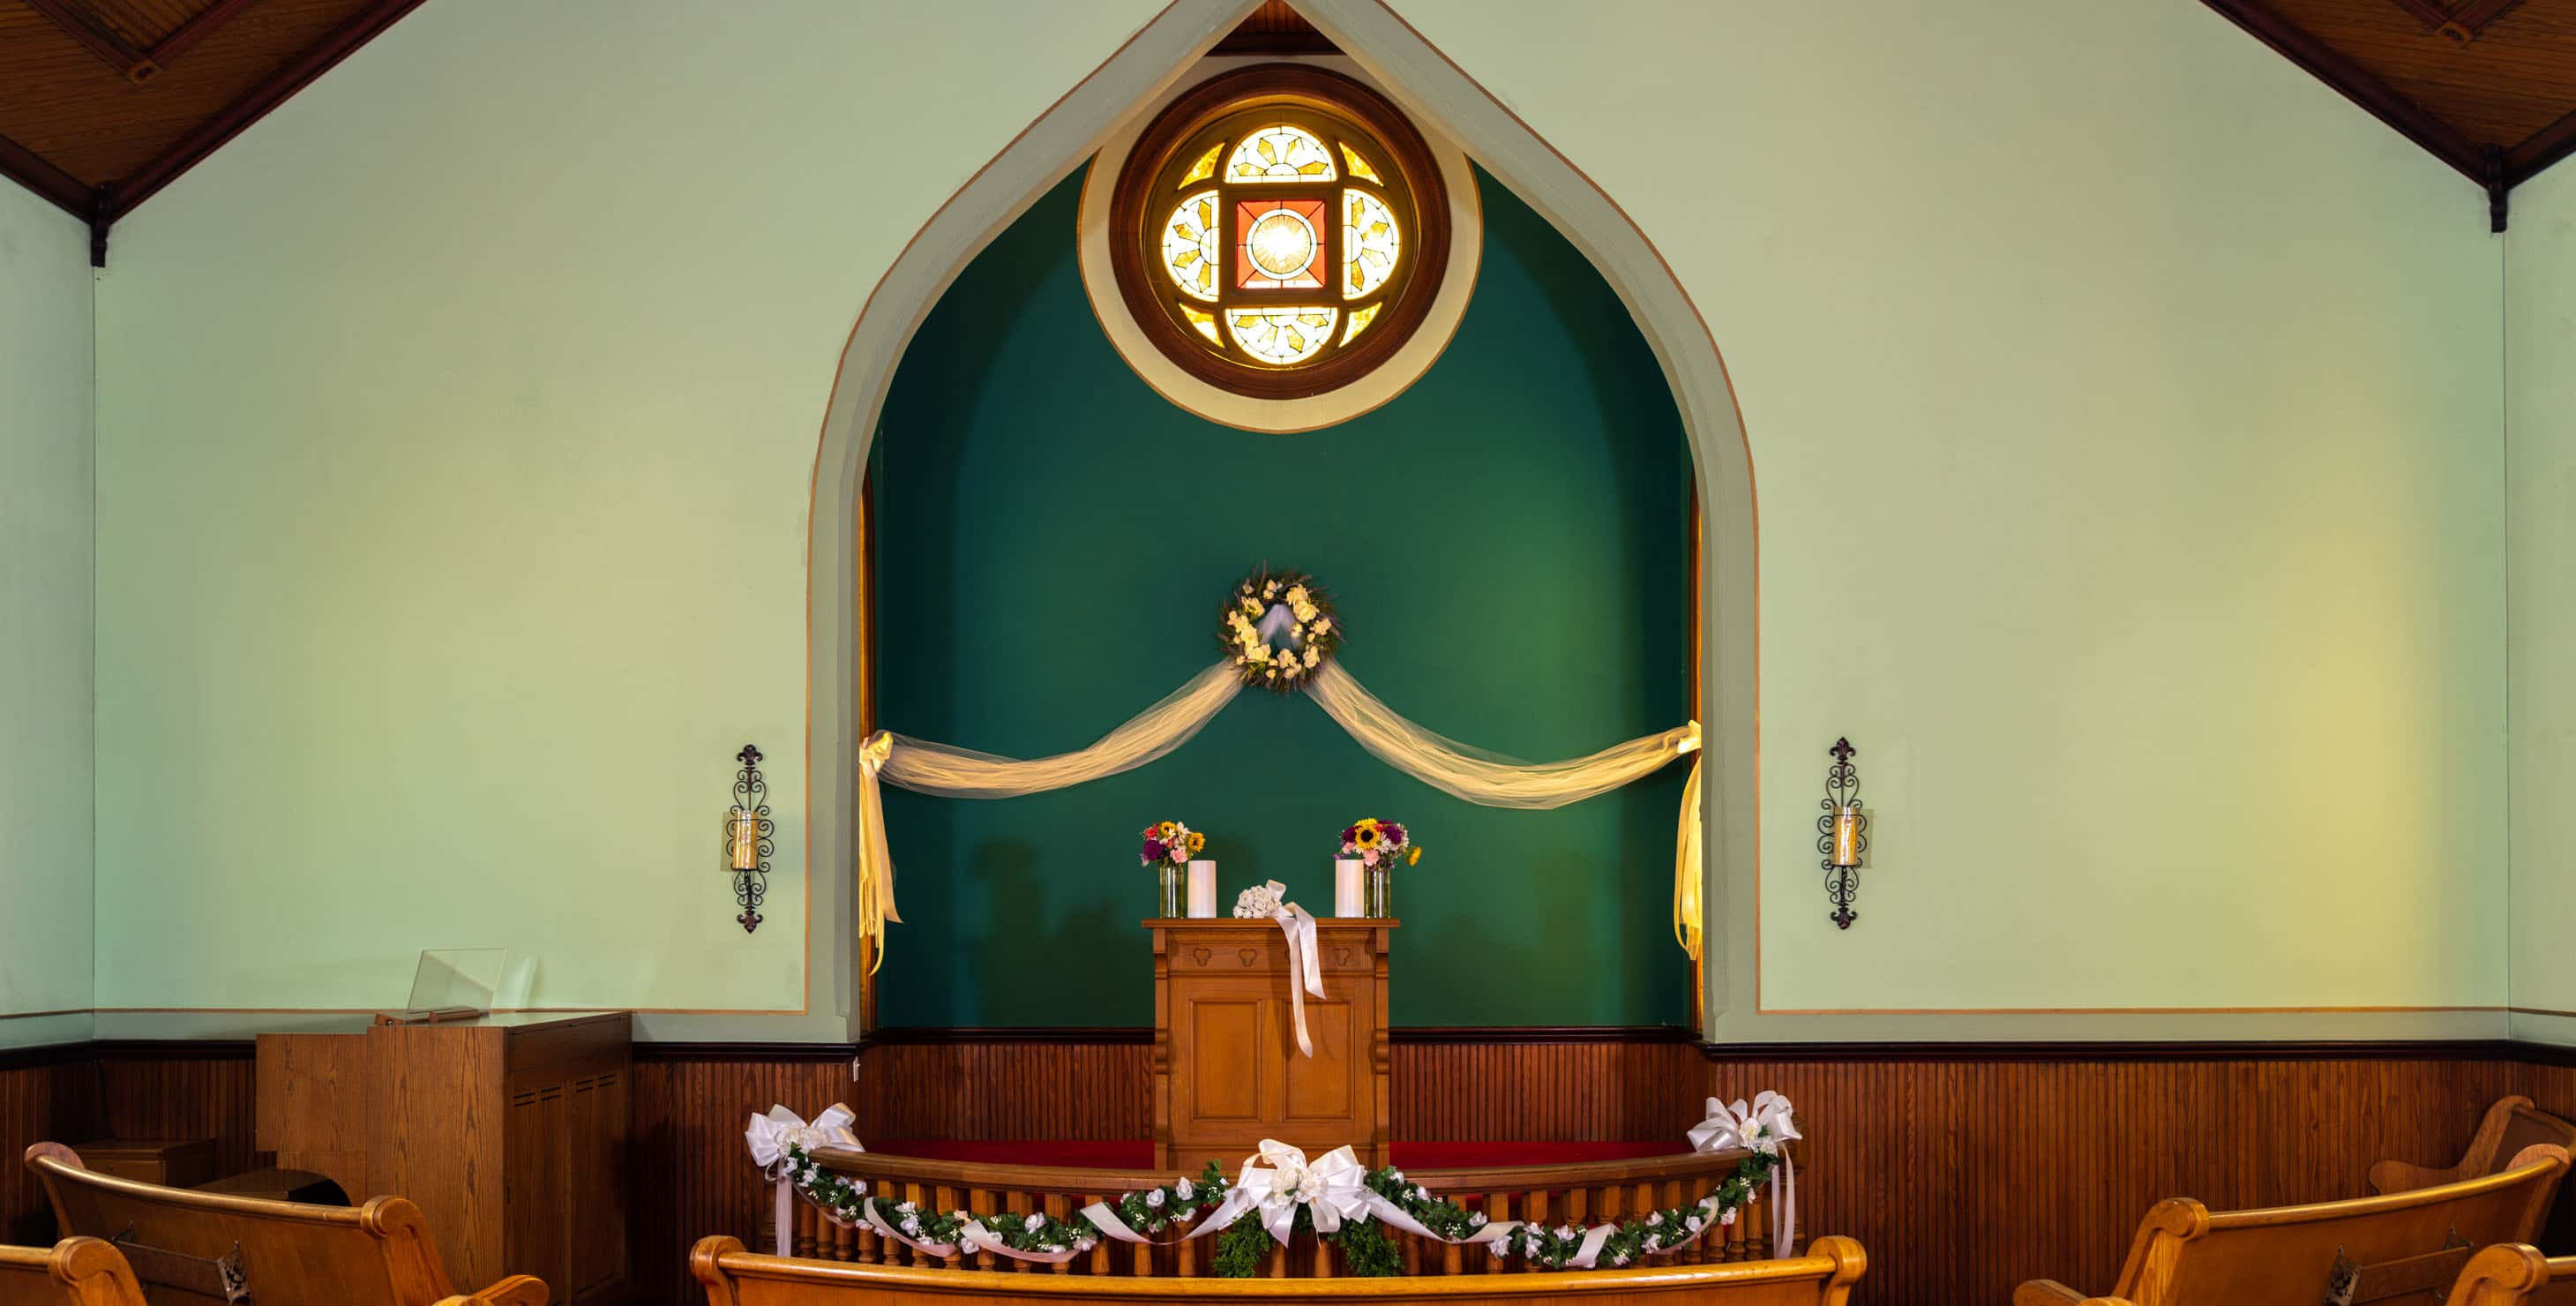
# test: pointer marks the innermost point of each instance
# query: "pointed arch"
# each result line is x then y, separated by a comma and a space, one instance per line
1441, 95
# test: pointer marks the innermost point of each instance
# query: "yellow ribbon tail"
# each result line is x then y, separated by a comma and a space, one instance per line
1686, 868
876, 861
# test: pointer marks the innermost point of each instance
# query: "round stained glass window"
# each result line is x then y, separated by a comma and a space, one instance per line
1279, 231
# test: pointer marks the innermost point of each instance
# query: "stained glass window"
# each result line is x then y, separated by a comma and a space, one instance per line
1297, 188
1279, 153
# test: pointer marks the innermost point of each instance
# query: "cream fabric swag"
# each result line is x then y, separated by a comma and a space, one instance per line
1474, 774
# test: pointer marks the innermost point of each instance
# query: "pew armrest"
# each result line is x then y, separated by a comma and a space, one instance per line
2046, 1292
2406, 1176
517, 1290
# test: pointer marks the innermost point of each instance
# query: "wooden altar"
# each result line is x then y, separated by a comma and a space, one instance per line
1227, 1072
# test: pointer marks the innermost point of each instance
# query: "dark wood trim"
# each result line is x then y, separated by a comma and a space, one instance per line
2539, 150
84, 31
1137, 1034
48, 1054
2234, 1050
196, 29
29, 169
2383, 101
804, 1052
252, 105
176, 1049
1520, 1034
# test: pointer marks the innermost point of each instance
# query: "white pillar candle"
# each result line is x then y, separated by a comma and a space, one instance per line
1346, 886
1203, 889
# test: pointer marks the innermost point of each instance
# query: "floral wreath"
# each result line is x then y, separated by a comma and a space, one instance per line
1278, 629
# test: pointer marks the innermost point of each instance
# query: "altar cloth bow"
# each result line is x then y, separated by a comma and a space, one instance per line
769, 1137
1278, 1179
1763, 1128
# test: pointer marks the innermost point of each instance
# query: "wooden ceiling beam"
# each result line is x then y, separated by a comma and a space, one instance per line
2541, 149
252, 105
71, 20
2384, 102
28, 169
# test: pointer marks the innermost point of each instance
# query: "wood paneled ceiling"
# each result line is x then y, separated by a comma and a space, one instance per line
2489, 86
103, 102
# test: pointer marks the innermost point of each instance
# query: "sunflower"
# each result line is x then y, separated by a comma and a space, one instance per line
1415, 859
1198, 841
1364, 834
1167, 829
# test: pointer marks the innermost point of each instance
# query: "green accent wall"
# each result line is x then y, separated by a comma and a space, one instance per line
2540, 491
45, 589
1508, 542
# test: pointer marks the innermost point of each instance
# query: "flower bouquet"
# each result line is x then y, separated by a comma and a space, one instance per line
1168, 847
1379, 846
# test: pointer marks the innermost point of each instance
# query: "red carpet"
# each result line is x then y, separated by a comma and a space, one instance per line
1138, 1154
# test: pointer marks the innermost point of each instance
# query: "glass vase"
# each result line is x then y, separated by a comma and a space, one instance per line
1173, 882
1373, 892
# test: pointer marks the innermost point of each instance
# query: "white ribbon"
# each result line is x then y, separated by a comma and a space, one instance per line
1765, 1128
769, 1137
1303, 964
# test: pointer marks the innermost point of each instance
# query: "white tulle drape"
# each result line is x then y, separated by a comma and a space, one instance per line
1474, 774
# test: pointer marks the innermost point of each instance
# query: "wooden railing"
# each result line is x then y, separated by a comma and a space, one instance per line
1583, 1194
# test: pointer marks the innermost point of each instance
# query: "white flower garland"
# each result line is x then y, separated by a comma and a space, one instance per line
1761, 1130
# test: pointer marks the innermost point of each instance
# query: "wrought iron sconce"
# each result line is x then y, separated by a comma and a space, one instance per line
746, 843
1842, 833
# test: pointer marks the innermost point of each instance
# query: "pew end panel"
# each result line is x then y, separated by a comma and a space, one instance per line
189, 1245
73, 1272
2508, 1128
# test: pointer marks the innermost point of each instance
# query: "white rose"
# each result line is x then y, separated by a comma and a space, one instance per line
1476, 1220
1565, 1231
1495, 1247
1618, 1258
905, 1207
1154, 1199
1033, 1223
1694, 1224
1654, 1218
1728, 1218
1184, 1191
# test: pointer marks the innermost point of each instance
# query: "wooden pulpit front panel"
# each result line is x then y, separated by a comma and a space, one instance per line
1227, 1070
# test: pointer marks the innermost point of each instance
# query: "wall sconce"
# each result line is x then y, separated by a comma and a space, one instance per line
1842, 833
746, 841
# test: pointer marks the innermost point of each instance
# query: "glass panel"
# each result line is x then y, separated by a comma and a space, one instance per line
1280, 153
1360, 167
1206, 166
1206, 323
1370, 243
1281, 336
1359, 319
1189, 246
1281, 244
455, 982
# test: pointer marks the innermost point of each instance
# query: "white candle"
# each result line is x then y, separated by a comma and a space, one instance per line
1346, 886
1203, 889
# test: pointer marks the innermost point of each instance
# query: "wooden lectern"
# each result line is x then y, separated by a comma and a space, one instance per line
508, 1131
1227, 1072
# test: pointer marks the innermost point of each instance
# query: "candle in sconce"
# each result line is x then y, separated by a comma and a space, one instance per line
1346, 887
1847, 835
1203, 889
746, 842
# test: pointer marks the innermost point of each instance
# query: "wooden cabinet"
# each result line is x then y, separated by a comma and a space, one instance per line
509, 1132
1227, 1070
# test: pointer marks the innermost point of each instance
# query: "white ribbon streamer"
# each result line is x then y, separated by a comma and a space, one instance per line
1303, 965
1765, 1127
769, 1136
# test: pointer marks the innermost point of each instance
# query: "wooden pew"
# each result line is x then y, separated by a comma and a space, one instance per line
189, 1246
2402, 1249
734, 1277
2509, 1126
73, 1272
2516, 1274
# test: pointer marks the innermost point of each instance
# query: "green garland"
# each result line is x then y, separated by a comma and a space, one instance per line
1244, 1247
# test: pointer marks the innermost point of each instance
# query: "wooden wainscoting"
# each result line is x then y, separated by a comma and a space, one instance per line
1964, 1169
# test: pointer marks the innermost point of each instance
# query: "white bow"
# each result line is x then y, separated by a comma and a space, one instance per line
1279, 1179
1762, 1129
769, 1137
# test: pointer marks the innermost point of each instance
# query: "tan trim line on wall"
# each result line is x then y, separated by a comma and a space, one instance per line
2115, 1011
31, 1015
369, 1011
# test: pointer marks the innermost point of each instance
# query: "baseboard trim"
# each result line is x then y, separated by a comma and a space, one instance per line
2229, 1050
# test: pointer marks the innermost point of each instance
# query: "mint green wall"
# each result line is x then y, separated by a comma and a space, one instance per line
2540, 505
1509, 543
2128, 430
45, 387
2126, 417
